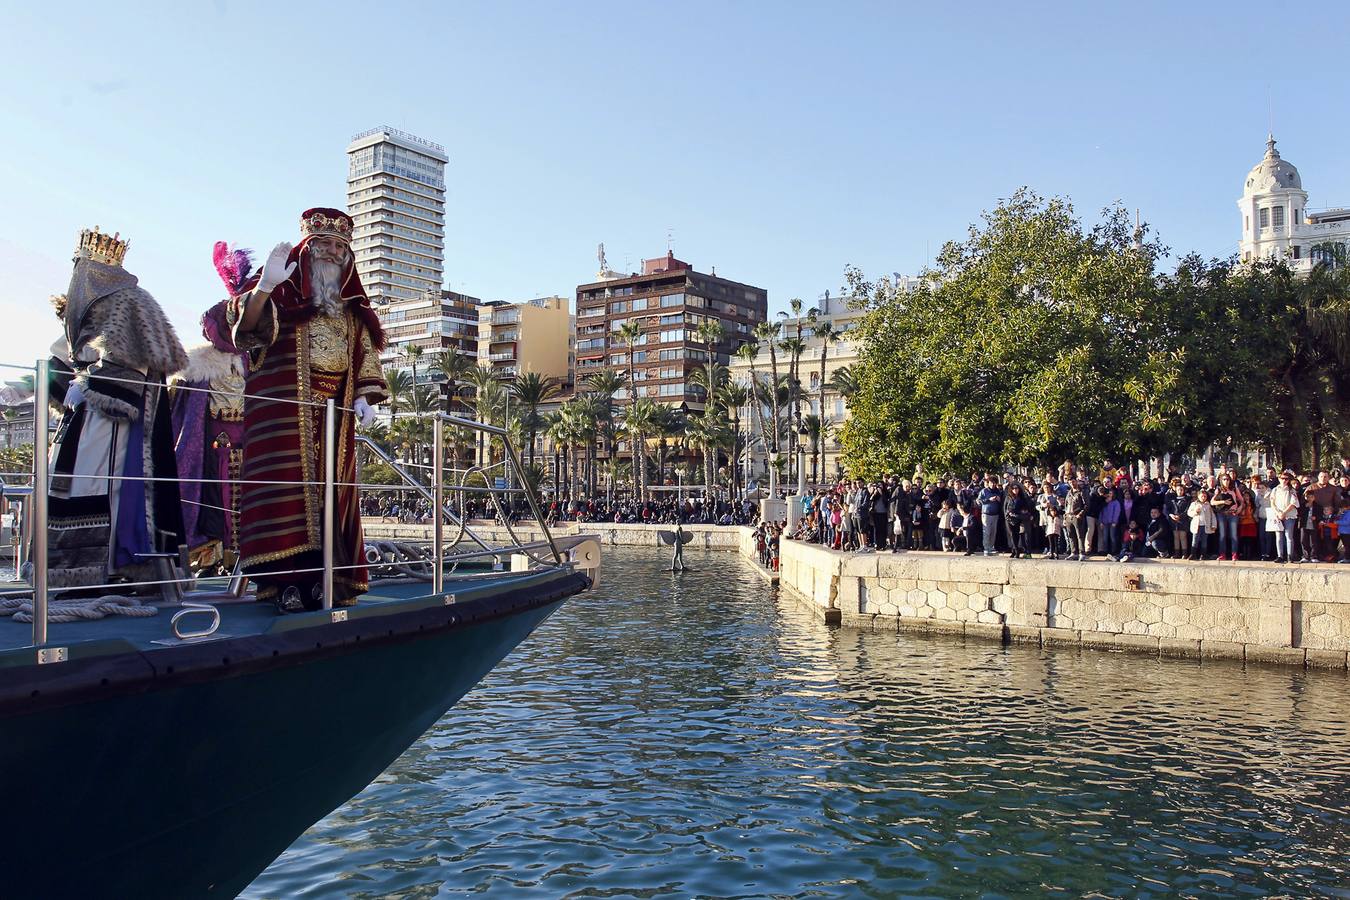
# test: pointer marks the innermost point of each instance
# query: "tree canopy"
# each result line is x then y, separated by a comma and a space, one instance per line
1036, 339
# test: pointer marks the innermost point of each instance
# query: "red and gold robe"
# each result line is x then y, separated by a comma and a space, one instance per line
305, 358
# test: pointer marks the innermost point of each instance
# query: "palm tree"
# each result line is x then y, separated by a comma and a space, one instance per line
414, 353
488, 395
711, 332
828, 334
629, 333
454, 367
793, 347
584, 415
748, 352
530, 390
735, 396
814, 426
710, 432
670, 424
603, 385
399, 386
767, 332
640, 420
844, 381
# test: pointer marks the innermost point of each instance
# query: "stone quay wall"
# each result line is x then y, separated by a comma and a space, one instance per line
1262, 612
733, 538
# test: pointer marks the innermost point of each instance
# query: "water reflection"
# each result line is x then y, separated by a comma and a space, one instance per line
691, 735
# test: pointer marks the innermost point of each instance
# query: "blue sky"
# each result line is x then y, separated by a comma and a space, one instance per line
780, 142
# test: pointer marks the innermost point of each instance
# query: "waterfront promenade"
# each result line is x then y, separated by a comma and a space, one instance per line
1256, 612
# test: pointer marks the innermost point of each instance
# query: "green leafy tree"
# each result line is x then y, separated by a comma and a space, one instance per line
1016, 348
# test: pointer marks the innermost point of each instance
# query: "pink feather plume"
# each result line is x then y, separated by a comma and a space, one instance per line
232, 265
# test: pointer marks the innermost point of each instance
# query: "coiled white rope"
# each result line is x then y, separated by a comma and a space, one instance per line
76, 609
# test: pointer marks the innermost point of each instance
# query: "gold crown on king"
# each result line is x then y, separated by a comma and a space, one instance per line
109, 249
319, 223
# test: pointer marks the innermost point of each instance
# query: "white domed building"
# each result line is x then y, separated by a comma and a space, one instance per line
1276, 222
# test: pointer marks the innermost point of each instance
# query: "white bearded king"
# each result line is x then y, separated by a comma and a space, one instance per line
311, 336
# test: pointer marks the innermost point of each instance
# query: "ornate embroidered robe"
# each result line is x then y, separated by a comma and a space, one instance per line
113, 496
208, 426
307, 361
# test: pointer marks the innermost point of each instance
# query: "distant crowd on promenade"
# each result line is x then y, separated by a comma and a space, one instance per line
1073, 513
666, 511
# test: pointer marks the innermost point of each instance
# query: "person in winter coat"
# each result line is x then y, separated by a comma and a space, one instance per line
947, 524
899, 516
990, 500
1075, 511
1109, 521
1096, 499
1017, 512
1282, 519
1203, 524
1052, 518
1159, 534
881, 509
1176, 510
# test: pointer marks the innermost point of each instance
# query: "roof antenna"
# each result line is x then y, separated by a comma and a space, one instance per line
670, 239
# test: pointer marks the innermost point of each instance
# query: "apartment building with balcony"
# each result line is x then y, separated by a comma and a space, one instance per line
668, 300
531, 336
438, 320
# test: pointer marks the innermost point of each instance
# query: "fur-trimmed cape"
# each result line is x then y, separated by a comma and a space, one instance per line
129, 334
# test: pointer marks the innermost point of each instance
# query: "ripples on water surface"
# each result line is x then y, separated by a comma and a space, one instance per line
693, 735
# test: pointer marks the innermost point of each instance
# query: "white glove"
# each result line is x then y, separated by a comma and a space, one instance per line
74, 396
364, 414
275, 270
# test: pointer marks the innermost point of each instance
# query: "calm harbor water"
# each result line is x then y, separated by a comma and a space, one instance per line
696, 736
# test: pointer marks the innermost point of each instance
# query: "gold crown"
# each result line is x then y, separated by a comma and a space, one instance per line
104, 248
318, 223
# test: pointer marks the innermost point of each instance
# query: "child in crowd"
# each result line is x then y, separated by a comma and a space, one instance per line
1203, 524
1159, 535
1132, 544
970, 526
947, 519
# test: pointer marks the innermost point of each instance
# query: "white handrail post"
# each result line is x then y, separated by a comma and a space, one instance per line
39, 503
329, 497
437, 502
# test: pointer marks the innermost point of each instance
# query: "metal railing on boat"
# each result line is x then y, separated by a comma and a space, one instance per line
35, 516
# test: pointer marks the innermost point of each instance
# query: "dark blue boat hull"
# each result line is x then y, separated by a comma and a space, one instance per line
190, 784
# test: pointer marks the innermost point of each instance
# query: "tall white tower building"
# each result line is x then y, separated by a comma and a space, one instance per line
1276, 221
396, 198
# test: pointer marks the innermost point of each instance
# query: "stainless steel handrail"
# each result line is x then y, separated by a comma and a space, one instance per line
39, 530
418, 486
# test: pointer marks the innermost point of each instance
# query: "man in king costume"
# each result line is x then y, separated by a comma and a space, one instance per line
113, 497
311, 335
208, 426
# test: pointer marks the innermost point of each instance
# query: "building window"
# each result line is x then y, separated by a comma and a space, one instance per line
1298, 217
1265, 217
1297, 252
1246, 223
1279, 216
672, 300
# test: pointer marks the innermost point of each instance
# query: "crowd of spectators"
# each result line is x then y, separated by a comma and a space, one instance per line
1075, 514
665, 511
